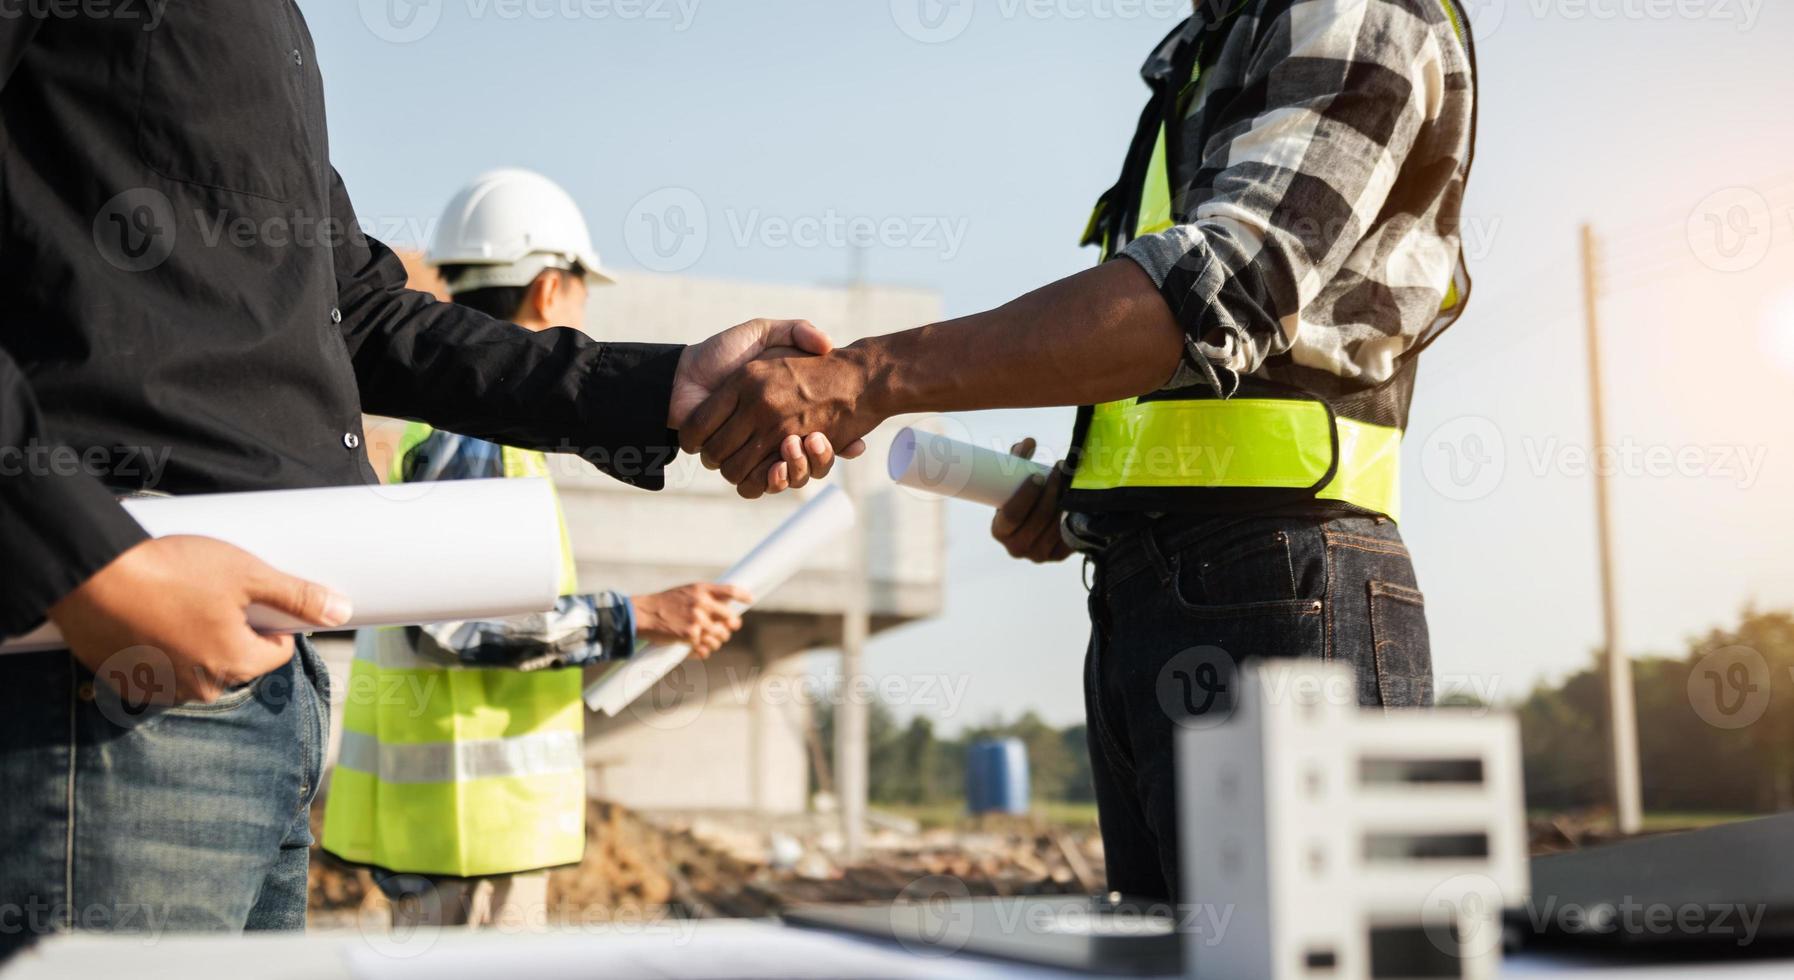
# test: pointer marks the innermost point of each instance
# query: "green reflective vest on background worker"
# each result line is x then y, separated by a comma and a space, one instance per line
1270, 445
454, 770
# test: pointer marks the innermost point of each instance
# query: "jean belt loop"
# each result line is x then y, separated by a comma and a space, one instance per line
1165, 568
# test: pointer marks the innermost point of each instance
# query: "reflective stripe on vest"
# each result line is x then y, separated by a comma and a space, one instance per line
1243, 443
538, 754
453, 769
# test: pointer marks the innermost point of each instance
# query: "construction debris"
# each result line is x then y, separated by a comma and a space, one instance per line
713, 866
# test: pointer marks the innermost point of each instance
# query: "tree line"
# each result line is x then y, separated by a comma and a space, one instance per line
1715, 723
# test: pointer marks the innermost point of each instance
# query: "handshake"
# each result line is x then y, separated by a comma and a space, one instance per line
768, 401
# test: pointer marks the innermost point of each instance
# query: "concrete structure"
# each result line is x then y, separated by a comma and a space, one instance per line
1347, 843
732, 734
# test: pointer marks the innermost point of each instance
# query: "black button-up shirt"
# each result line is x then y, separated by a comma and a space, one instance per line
187, 304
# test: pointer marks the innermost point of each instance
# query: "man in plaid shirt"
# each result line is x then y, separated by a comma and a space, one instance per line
1283, 243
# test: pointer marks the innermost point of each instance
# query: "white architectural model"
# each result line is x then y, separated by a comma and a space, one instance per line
1345, 843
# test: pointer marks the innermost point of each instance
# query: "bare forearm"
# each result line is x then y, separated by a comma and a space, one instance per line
1098, 336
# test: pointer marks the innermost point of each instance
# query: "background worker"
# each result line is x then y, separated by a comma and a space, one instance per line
461, 786
1284, 242
241, 363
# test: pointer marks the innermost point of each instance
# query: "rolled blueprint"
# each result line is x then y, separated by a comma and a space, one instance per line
403, 554
776, 558
950, 468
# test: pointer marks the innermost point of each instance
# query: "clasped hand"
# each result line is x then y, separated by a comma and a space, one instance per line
766, 402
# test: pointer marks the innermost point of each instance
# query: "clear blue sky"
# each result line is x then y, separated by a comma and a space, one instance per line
996, 122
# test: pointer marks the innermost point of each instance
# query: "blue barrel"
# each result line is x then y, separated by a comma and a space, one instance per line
997, 776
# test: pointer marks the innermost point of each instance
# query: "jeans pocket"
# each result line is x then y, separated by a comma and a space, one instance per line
1256, 567
230, 700
1403, 653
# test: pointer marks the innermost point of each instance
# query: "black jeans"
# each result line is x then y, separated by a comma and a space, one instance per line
1175, 609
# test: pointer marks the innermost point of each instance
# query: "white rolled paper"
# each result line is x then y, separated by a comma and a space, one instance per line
950, 468
776, 558
404, 554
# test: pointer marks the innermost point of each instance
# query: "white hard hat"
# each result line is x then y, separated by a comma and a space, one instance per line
508, 226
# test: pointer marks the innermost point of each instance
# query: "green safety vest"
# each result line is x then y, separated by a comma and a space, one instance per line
1189, 451
455, 770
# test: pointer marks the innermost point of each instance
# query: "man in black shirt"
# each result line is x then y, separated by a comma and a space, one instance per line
189, 306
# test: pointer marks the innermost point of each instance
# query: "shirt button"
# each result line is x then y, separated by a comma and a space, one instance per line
85, 691
298, 57
351, 441
336, 315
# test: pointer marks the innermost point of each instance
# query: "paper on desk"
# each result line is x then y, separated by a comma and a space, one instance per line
773, 560
403, 554
950, 468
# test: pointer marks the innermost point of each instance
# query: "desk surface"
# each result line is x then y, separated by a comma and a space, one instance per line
704, 950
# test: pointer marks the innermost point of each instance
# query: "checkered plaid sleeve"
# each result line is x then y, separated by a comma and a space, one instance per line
580, 630
1319, 190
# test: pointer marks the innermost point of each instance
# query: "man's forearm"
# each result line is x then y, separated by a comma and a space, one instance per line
1098, 336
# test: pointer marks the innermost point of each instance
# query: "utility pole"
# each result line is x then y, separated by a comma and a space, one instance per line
851, 737
1622, 714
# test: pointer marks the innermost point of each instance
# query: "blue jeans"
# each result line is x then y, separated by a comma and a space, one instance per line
1176, 608
151, 821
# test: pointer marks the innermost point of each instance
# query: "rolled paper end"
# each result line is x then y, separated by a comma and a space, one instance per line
903, 454
945, 467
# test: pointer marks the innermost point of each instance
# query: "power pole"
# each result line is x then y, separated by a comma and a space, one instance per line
851, 736
1622, 714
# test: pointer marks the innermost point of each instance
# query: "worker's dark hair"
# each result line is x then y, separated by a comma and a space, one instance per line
499, 302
